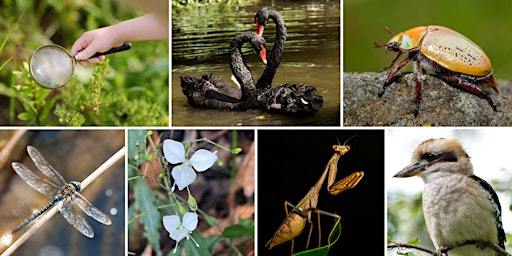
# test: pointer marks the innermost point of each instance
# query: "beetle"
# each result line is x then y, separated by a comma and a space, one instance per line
447, 55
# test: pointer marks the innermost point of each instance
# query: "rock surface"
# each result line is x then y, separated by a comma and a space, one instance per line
441, 104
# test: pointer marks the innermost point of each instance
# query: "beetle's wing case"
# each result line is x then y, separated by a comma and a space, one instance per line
455, 52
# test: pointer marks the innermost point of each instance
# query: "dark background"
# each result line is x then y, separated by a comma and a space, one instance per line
289, 164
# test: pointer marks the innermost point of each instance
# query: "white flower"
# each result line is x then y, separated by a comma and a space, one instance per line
184, 174
179, 230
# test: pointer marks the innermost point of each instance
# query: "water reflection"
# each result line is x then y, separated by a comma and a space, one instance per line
200, 41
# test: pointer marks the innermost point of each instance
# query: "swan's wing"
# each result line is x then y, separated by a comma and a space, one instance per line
291, 99
221, 90
201, 93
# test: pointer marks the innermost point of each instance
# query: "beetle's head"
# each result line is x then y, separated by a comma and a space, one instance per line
393, 45
407, 40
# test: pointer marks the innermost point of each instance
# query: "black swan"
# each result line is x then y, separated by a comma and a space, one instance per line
295, 99
212, 92
292, 99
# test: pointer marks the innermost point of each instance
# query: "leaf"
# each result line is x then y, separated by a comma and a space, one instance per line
414, 241
210, 220
149, 215
324, 250
244, 228
206, 245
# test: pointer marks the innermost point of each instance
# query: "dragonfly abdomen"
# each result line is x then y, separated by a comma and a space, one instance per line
35, 215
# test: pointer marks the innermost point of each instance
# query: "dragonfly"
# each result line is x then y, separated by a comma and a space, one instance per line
65, 195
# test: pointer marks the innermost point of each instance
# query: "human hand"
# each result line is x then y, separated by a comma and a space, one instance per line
91, 42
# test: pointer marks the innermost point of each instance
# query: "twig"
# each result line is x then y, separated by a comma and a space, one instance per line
7, 148
45, 217
481, 245
444, 250
398, 245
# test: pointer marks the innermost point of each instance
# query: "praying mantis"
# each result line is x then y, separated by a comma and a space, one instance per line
295, 221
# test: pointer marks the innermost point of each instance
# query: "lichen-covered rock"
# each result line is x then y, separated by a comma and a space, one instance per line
441, 104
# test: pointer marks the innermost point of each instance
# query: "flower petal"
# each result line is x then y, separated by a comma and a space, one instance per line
178, 234
174, 151
171, 222
190, 221
183, 175
203, 159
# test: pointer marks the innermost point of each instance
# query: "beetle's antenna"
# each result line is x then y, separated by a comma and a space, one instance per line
389, 30
376, 45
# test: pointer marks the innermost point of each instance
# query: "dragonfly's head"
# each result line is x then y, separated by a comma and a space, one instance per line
76, 184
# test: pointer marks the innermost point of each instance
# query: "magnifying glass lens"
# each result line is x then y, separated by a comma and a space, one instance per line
51, 66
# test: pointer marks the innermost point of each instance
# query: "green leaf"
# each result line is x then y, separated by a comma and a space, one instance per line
414, 241
324, 250
210, 220
244, 228
206, 245
149, 215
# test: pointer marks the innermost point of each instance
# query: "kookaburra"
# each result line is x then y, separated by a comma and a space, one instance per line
458, 206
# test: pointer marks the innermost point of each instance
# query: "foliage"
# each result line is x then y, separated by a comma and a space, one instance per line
35, 100
151, 204
130, 90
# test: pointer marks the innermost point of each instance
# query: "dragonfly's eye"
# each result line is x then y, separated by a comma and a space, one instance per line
76, 184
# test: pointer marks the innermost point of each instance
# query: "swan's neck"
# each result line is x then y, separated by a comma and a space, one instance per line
239, 68
266, 78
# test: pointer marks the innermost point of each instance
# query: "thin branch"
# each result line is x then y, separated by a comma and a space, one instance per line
7, 148
442, 251
482, 245
45, 217
419, 248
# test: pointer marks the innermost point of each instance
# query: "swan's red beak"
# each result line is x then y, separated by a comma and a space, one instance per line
259, 28
263, 55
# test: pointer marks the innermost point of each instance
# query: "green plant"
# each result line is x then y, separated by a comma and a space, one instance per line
35, 100
131, 90
150, 205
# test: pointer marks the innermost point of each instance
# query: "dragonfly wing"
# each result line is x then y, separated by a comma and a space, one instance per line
70, 212
43, 186
90, 210
44, 166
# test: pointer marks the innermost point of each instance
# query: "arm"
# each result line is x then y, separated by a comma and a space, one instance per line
147, 27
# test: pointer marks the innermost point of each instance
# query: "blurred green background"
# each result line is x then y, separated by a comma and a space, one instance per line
134, 90
487, 23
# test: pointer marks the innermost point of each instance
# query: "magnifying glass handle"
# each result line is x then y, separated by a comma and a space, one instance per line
124, 47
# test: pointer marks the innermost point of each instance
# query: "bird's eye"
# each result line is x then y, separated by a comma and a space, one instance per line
430, 157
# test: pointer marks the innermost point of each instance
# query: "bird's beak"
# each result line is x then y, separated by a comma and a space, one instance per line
259, 29
411, 170
263, 55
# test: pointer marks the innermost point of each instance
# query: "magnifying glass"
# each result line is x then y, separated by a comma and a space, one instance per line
52, 66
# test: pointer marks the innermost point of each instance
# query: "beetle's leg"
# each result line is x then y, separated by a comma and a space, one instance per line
397, 67
392, 62
468, 87
418, 73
